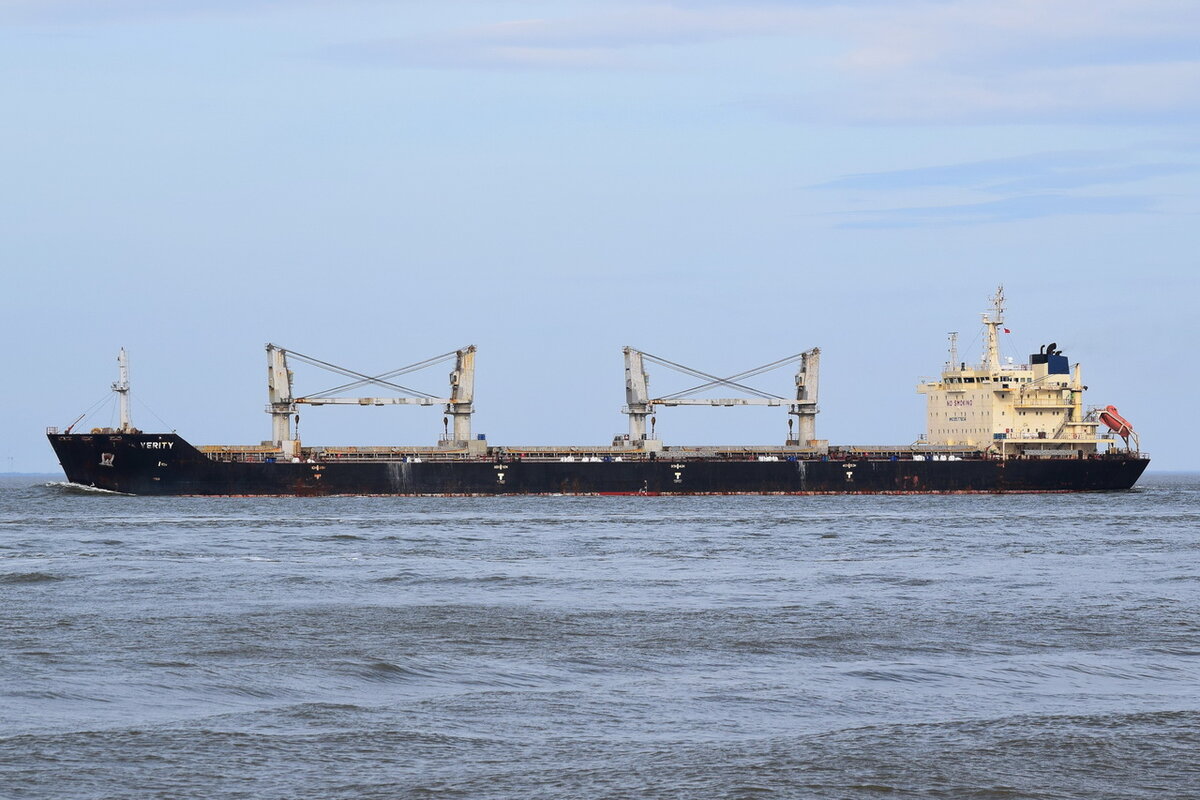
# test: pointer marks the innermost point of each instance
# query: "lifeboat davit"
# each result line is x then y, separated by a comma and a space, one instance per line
1115, 422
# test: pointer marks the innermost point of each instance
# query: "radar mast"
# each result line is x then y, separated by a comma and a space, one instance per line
992, 322
121, 387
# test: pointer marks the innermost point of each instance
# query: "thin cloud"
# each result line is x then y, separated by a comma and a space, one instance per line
617, 39
1098, 176
86, 12
1114, 94
988, 33
984, 61
1037, 172
843, 62
1013, 209
974, 173
434, 53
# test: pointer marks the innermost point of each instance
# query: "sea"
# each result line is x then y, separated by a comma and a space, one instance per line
959, 646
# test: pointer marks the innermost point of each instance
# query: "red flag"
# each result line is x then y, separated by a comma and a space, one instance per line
1006, 330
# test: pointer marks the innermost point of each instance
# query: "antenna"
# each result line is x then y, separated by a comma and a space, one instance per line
953, 362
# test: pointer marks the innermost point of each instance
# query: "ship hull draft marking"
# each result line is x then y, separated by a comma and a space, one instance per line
992, 427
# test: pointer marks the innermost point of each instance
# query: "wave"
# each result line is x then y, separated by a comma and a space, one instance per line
66, 487
29, 577
388, 672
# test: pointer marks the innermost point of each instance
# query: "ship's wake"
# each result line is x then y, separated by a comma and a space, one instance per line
66, 487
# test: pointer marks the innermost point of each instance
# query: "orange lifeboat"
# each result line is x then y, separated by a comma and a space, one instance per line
1115, 422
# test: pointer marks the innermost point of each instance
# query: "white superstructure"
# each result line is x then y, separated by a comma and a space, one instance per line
1011, 409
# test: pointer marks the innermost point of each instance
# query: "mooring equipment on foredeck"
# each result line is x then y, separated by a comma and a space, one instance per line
282, 404
639, 404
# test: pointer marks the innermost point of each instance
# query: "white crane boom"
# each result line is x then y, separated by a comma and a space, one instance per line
371, 401
721, 401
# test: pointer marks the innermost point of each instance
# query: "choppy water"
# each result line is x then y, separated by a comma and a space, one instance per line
1027, 646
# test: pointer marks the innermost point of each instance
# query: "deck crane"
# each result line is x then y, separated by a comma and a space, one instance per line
639, 404
282, 403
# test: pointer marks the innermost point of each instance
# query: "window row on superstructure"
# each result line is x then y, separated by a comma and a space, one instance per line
985, 379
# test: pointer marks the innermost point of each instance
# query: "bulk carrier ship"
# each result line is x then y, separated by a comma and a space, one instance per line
990, 427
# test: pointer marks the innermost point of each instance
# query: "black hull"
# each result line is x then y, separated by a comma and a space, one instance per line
165, 464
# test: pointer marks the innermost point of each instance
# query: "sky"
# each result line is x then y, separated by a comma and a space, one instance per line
717, 183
